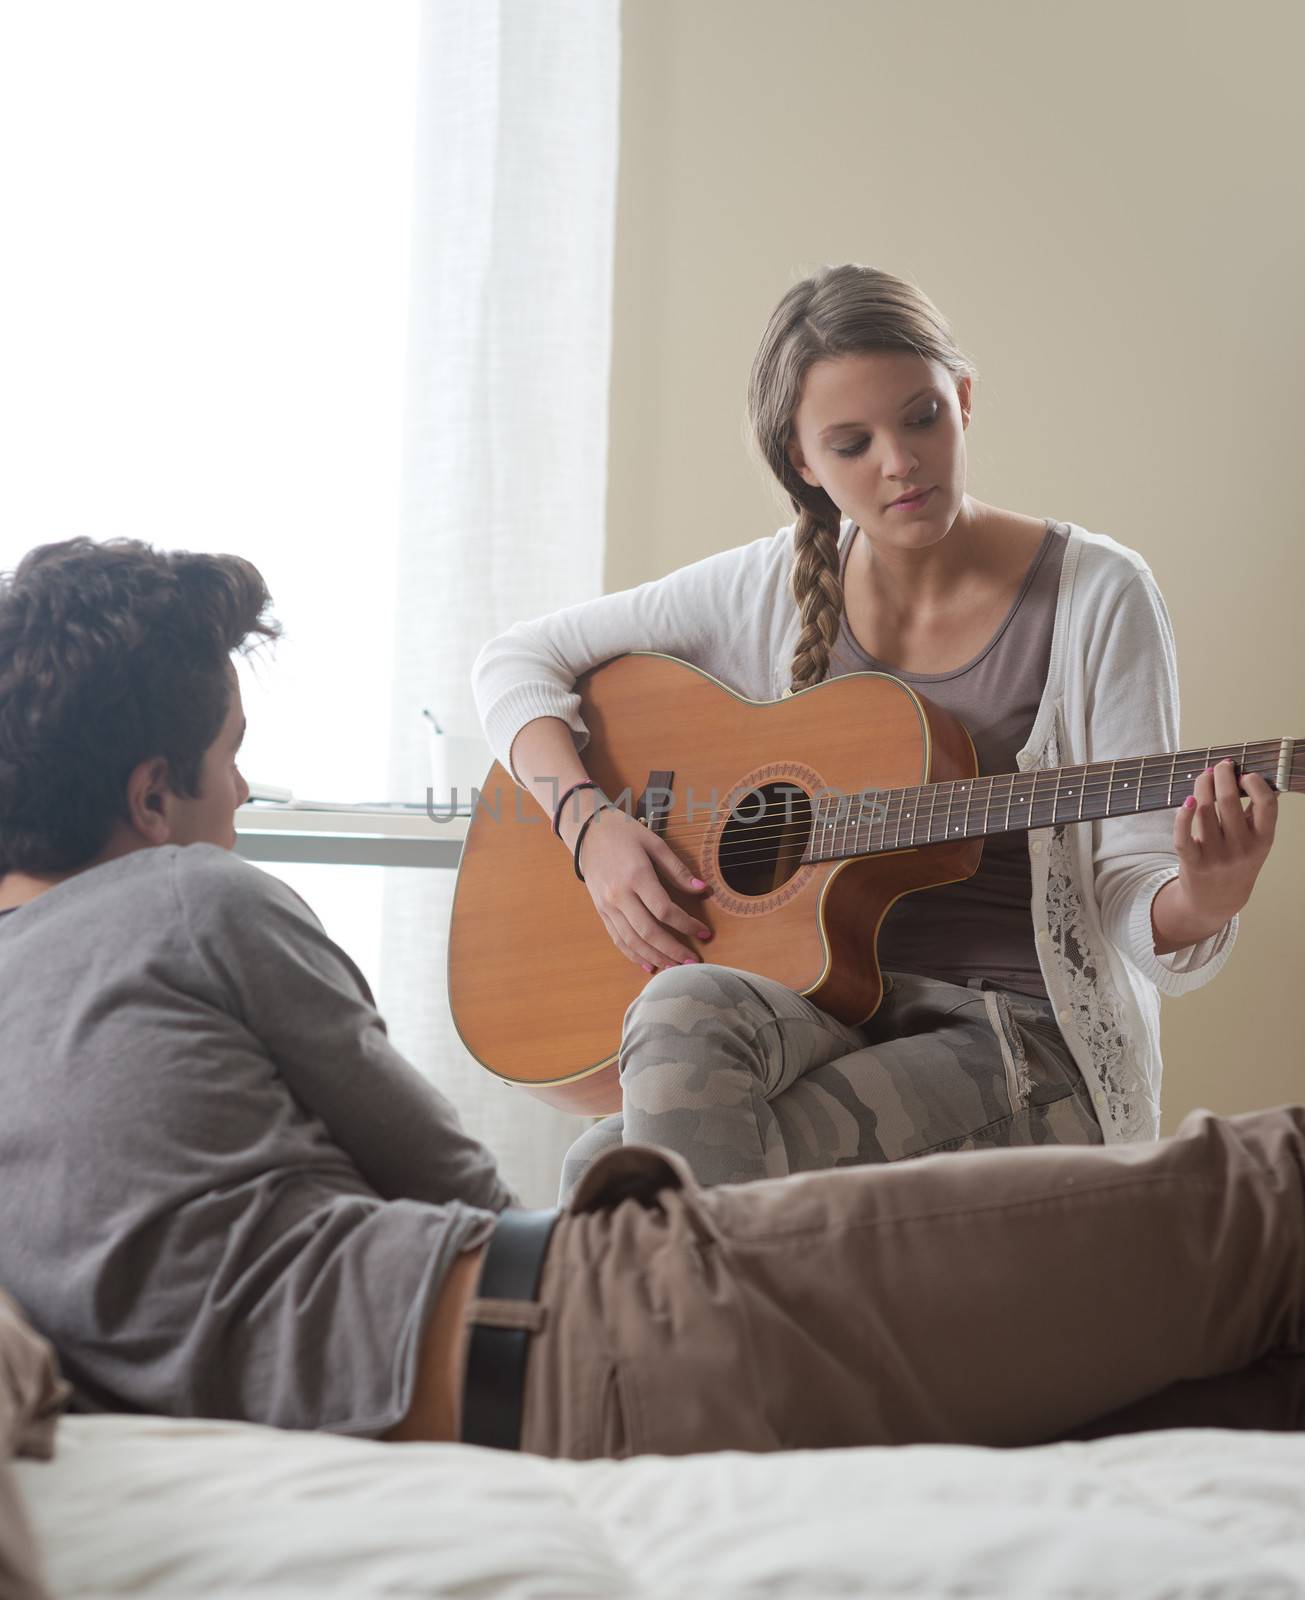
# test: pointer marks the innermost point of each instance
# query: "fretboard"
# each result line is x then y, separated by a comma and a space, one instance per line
971, 808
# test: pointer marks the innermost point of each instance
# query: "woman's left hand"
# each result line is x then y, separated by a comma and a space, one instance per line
1222, 845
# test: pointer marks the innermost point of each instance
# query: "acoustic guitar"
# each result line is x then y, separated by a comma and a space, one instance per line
807, 816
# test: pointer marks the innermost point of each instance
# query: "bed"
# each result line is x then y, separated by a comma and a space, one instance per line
149, 1506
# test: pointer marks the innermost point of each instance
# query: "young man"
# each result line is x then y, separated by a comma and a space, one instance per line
225, 1194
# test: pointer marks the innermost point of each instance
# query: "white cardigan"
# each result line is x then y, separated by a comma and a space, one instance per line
1111, 691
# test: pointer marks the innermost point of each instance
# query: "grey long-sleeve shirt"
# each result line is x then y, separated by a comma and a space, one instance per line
223, 1192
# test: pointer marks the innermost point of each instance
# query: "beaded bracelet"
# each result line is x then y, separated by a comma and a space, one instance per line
607, 805
557, 811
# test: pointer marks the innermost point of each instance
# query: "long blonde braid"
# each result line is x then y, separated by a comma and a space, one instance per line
818, 591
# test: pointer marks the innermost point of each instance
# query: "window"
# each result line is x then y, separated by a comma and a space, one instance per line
203, 300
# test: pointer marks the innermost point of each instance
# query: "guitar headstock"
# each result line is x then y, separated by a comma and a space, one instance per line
1295, 766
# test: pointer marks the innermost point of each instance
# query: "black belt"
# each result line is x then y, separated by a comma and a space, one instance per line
494, 1388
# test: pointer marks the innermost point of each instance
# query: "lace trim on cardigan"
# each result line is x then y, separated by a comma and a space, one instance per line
1092, 998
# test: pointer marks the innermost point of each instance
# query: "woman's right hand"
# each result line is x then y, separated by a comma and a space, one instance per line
627, 868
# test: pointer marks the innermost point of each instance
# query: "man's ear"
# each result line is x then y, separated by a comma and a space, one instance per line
149, 796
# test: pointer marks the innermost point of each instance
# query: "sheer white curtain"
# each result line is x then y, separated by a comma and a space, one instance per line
206, 212
213, 221
505, 439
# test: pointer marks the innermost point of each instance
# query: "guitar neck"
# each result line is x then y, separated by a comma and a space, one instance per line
878, 820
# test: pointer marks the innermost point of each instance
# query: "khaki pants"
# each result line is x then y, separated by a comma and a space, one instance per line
1009, 1298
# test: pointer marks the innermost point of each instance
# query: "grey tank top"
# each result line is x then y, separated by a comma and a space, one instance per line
981, 927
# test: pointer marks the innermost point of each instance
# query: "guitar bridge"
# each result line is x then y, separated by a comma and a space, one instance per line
655, 802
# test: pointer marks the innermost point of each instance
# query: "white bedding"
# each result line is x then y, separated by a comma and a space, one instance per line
151, 1507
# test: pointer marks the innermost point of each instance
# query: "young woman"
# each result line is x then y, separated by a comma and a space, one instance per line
1021, 1004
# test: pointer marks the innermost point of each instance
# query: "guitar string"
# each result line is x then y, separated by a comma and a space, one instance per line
1094, 787
741, 852
875, 832
799, 815
1091, 789
800, 822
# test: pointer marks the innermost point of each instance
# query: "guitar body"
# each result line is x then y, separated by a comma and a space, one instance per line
537, 989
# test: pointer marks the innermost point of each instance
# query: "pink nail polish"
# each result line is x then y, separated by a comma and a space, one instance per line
645, 966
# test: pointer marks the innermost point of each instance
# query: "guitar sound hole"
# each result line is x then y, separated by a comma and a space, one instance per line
762, 842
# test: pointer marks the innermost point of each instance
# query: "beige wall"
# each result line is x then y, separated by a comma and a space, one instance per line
1105, 202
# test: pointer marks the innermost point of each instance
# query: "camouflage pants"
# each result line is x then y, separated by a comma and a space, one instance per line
746, 1079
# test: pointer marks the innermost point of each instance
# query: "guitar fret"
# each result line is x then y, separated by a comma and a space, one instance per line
867, 842
1123, 785
1026, 799
1110, 787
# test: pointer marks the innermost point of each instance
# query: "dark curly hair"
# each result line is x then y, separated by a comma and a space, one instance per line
110, 654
